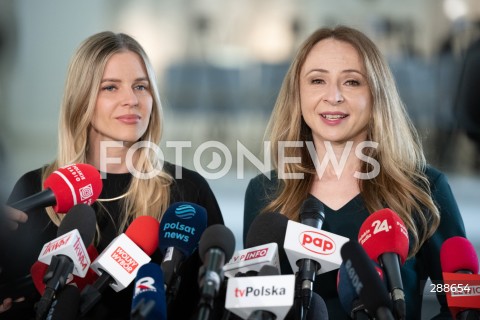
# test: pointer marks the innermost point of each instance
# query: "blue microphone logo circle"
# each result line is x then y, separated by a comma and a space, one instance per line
185, 211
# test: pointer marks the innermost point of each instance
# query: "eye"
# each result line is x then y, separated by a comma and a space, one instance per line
109, 88
317, 81
141, 87
353, 83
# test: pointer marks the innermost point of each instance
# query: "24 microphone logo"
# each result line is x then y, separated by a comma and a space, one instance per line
145, 284
259, 292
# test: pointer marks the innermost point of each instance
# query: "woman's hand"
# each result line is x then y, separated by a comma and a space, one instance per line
14, 217
8, 302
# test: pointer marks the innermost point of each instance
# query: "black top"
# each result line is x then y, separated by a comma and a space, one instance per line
347, 221
20, 249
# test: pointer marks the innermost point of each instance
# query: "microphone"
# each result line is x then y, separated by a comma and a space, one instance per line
180, 229
311, 214
216, 246
149, 301
266, 296
270, 227
66, 305
118, 264
365, 280
384, 237
39, 269
65, 187
460, 268
457, 255
348, 296
320, 247
67, 253
318, 308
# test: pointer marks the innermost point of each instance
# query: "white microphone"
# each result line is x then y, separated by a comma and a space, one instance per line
66, 254
273, 295
124, 256
118, 264
251, 260
302, 241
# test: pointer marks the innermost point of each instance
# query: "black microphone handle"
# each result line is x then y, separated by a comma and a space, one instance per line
468, 315
383, 313
55, 278
261, 315
170, 270
359, 312
45, 198
92, 294
211, 276
361, 315
304, 279
391, 265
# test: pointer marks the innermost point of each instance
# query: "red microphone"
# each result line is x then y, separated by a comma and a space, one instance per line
457, 255
118, 264
39, 269
64, 188
460, 268
384, 237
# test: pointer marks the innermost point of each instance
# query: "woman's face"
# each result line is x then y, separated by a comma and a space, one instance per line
335, 97
124, 102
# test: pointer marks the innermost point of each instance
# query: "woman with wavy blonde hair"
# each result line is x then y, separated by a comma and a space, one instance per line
111, 118
340, 134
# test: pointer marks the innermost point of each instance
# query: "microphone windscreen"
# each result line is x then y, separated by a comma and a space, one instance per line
74, 184
383, 231
318, 308
458, 253
149, 300
312, 212
267, 228
268, 270
143, 231
67, 304
217, 236
364, 277
81, 217
181, 227
270, 227
346, 291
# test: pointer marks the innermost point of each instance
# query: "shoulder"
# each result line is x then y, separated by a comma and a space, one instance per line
267, 181
437, 179
433, 174
264, 187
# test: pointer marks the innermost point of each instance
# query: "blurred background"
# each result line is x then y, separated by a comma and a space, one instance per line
220, 65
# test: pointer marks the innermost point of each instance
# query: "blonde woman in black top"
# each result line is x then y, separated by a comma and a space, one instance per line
110, 101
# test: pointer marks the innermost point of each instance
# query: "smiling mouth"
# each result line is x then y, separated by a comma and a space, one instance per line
334, 116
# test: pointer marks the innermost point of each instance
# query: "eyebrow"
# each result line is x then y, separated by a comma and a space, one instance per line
343, 71
118, 80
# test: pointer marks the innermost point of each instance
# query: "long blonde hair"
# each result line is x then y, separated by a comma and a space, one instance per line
401, 184
144, 196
